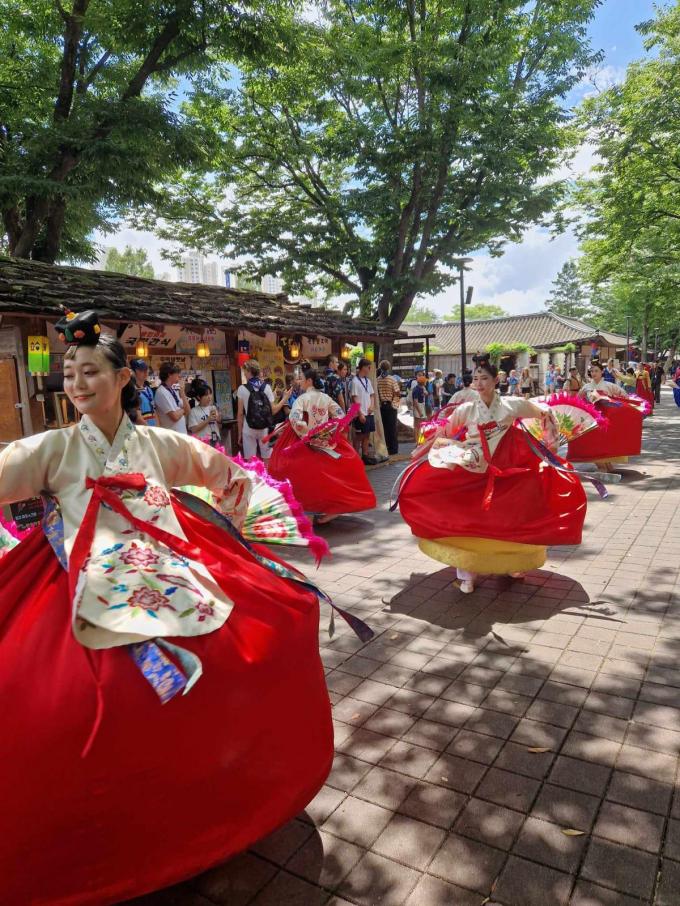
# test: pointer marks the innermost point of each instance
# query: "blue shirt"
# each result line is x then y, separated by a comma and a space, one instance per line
146, 404
419, 395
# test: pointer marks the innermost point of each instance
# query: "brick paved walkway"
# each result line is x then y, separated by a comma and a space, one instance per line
436, 797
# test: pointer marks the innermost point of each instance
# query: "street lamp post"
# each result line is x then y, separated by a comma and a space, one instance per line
460, 264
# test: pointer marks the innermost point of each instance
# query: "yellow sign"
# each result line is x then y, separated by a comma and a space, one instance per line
271, 363
38, 355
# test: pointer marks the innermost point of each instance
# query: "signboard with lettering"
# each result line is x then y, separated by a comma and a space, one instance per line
188, 339
268, 341
271, 363
223, 394
157, 336
316, 347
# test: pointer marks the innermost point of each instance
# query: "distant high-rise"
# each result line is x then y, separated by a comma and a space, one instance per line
271, 284
195, 269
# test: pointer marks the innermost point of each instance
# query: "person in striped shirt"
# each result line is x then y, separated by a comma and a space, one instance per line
389, 394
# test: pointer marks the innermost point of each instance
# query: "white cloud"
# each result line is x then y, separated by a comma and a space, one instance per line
138, 239
520, 281
600, 78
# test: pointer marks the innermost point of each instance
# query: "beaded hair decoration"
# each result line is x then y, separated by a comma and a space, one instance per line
78, 329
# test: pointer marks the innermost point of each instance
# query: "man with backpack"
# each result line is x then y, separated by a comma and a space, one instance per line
256, 410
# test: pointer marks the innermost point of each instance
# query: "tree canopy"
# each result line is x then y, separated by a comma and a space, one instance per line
390, 140
479, 312
631, 231
129, 261
88, 125
569, 296
421, 314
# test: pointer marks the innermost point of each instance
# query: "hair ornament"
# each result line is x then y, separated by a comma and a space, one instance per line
79, 329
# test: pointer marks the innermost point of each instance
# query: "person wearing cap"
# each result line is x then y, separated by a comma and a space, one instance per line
147, 407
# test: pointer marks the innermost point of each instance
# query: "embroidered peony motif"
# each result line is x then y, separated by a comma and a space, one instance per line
148, 599
205, 609
139, 556
156, 496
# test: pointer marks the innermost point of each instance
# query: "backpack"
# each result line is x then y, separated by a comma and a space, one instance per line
259, 410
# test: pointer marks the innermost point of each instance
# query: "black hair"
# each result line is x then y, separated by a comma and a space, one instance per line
311, 374
449, 376
342, 364
198, 388
114, 352
467, 379
483, 363
630, 370
166, 369
362, 363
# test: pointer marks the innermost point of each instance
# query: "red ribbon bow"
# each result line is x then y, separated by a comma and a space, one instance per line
104, 491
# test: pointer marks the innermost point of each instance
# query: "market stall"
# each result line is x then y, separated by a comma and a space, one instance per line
208, 331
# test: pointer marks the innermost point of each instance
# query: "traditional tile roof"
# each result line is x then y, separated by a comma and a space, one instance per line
542, 330
33, 288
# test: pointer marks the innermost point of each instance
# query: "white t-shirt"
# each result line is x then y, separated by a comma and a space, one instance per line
244, 395
169, 401
201, 415
363, 389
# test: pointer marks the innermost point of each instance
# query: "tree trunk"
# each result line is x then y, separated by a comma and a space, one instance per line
47, 248
399, 310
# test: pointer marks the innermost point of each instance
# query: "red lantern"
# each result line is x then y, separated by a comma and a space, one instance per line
242, 358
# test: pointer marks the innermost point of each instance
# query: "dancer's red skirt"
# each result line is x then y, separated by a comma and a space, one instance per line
321, 483
621, 436
540, 506
166, 790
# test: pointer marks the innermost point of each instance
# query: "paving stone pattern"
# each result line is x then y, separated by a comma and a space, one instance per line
435, 797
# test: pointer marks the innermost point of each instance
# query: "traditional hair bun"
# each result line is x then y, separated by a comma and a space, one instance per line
79, 329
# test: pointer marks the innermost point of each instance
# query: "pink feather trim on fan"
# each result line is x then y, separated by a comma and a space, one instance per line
643, 404
15, 532
570, 399
317, 545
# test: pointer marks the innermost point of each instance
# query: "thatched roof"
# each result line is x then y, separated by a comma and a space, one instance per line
33, 288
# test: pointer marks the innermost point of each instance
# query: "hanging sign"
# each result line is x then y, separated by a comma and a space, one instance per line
316, 347
271, 363
157, 337
268, 341
223, 394
38, 355
188, 339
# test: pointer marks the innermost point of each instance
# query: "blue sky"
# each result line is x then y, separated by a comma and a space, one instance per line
521, 279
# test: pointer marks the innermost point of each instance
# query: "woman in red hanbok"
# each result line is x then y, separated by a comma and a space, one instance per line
482, 496
643, 385
112, 785
621, 435
326, 474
